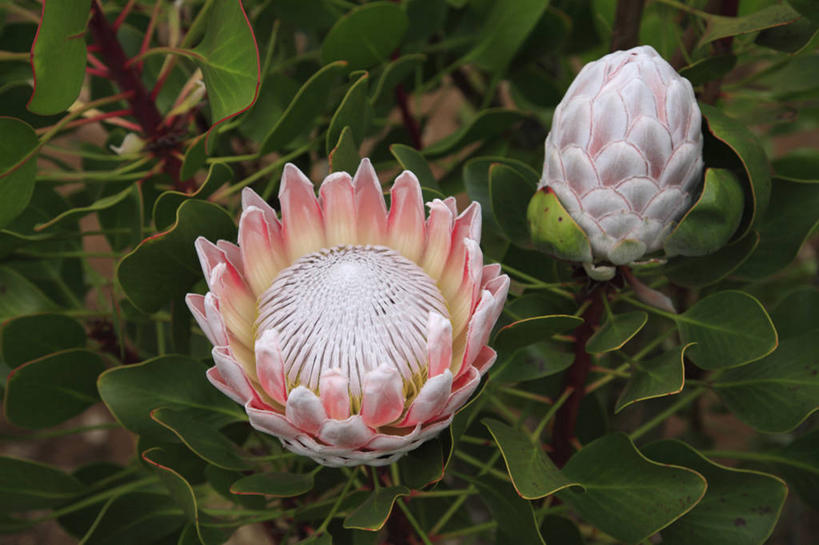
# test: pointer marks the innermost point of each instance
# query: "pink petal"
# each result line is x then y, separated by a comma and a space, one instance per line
464, 301
438, 238
270, 366
382, 398
218, 381
406, 219
262, 252
486, 358
338, 207
304, 410
237, 303
215, 320
349, 433
371, 212
251, 198
388, 442
430, 400
477, 332
302, 225
467, 226
233, 255
439, 344
209, 256
271, 422
335, 394
196, 304
490, 272
461, 390
233, 373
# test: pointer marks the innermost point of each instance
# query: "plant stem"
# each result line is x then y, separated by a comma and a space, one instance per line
626, 28
413, 522
566, 419
662, 416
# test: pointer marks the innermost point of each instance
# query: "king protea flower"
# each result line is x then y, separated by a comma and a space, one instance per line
624, 155
350, 332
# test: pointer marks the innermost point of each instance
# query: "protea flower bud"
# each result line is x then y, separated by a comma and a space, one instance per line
350, 332
624, 157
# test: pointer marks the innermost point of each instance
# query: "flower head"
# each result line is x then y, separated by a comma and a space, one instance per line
624, 155
350, 332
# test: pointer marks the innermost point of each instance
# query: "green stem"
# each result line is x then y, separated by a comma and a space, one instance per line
469, 530
58, 433
336, 505
649, 308
272, 167
670, 410
550, 414
413, 522
97, 498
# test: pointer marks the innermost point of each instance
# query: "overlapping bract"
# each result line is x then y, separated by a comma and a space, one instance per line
407, 348
624, 155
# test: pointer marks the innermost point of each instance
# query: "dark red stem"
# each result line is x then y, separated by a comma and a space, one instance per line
127, 78
626, 30
564, 429
410, 123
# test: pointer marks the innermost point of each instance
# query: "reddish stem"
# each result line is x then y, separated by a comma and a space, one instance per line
410, 123
125, 11
563, 435
127, 78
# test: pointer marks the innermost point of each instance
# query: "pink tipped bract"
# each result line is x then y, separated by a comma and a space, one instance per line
351, 332
624, 155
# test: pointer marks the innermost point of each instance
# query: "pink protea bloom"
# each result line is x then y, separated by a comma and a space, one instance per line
624, 155
350, 332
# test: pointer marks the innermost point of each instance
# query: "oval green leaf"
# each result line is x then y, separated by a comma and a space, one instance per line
531, 330
657, 377
275, 484
19, 296
30, 337
627, 495
168, 202
697, 272
711, 221
730, 328
778, 392
509, 194
740, 507
412, 160
554, 231
366, 35
616, 332
374, 512
344, 156
58, 56
29, 485
16, 180
353, 112
486, 124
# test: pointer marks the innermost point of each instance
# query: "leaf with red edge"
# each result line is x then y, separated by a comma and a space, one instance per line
229, 59
58, 55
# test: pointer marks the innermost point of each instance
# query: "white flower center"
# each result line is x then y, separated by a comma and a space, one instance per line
351, 308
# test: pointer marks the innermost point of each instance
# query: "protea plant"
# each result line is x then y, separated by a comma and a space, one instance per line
624, 159
350, 332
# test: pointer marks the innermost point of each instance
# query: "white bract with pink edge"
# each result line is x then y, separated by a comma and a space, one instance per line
350, 332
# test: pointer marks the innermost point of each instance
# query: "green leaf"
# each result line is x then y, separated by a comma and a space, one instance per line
195, 157
163, 266
101, 204
180, 489
516, 519
799, 165
168, 202
275, 484
710, 222
394, 73
423, 466
374, 512
798, 462
750, 154
789, 38
229, 61
722, 27
657, 377
26, 485
305, 107
510, 193
175, 382
122, 223
533, 474
708, 69
412, 160
135, 519
560, 531
16, 181
778, 392
696, 272
797, 313
476, 182
507, 27
19, 296
531, 330
532, 362
195, 428
353, 112
50, 390
730, 328
627, 495
554, 231
27, 338
487, 124
616, 332
58, 56
344, 156
740, 507
366, 35
789, 221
